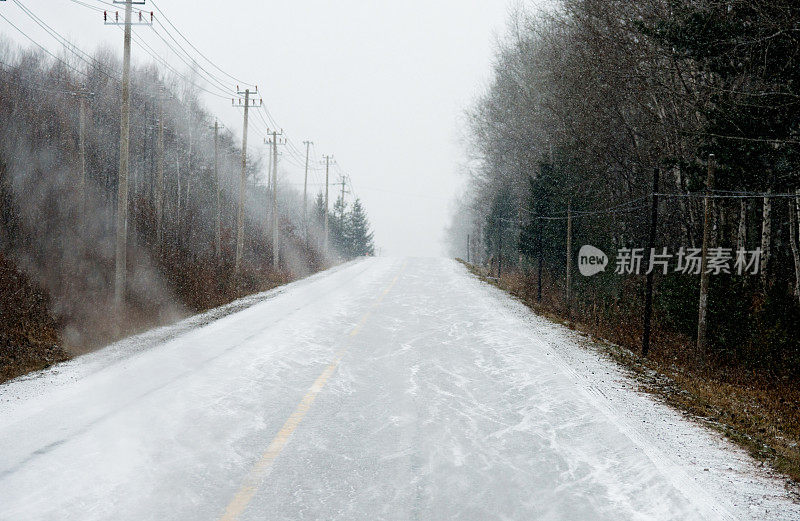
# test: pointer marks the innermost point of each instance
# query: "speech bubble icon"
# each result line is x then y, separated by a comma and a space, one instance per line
591, 260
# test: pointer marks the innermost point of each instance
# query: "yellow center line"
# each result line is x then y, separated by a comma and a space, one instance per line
264, 465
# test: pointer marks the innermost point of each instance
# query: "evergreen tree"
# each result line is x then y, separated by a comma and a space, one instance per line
358, 231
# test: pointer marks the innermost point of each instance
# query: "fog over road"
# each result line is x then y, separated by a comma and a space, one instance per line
396, 389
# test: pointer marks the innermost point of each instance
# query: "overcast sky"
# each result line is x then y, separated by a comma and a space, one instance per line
380, 85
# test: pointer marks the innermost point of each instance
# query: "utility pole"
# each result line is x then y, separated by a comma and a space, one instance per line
702, 312
82, 155
82, 95
275, 220
499, 248
305, 193
275, 141
467, 248
651, 245
269, 167
327, 170
218, 228
124, 156
569, 255
178, 138
240, 212
120, 257
343, 182
540, 252
539, 230
159, 195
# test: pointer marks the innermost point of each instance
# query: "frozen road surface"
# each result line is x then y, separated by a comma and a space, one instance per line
382, 389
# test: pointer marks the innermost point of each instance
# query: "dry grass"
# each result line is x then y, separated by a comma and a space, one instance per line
756, 410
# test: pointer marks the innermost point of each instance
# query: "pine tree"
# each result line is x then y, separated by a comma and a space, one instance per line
358, 230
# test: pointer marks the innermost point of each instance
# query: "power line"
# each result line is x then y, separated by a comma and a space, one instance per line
741, 195
84, 4
225, 92
154, 54
210, 77
83, 56
148, 49
163, 15
42, 47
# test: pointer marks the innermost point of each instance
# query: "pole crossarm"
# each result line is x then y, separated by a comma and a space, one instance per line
116, 21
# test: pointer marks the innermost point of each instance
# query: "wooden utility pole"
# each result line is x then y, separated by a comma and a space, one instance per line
305, 194
275, 220
178, 182
188, 190
794, 237
793, 240
327, 169
269, 167
242, 179
702, 308
159, 195
82, 156
540, 253
343, 182
651, 245
218, 228
274, 141
539, 229
569, 255
120, 257
499, 249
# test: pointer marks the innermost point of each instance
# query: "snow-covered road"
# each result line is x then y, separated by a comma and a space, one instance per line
384, 389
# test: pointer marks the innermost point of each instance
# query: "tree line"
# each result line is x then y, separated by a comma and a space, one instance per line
59, 159
349, 229
590, 99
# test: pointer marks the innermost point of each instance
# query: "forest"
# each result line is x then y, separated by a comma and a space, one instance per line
585, 103
604, 117
59, 166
